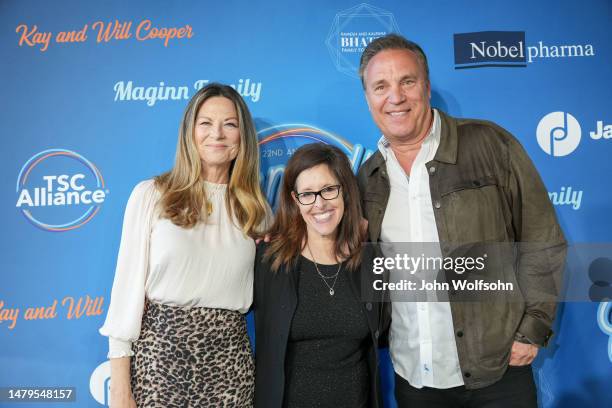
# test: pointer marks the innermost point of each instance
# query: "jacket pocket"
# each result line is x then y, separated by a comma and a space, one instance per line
468, 184
474, 210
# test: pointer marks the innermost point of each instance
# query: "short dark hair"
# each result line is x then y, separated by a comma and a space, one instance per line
288, 234
391, 42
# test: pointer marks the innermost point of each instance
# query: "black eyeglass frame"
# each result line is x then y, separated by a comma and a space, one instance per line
336, 187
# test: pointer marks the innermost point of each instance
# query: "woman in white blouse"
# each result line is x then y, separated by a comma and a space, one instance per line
184, 277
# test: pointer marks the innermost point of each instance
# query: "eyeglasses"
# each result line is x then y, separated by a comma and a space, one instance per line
309, 197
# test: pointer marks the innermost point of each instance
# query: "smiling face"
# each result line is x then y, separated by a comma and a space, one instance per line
323, 216
217, 133
398, 92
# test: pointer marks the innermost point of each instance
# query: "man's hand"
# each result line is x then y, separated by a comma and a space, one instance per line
522, 354
363, 226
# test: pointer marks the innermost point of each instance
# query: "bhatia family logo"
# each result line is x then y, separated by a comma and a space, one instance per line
509, 49
278, 143
59, 190
352, 30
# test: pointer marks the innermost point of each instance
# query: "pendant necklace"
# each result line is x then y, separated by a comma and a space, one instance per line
323, 277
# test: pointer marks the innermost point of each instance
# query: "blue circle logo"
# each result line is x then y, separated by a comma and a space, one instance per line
59, 190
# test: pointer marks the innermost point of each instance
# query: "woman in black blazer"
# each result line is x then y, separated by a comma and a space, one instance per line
317, 315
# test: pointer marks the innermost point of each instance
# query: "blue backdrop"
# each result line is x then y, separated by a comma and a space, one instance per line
93, 93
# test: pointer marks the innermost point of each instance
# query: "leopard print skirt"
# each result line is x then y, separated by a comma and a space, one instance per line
196, 357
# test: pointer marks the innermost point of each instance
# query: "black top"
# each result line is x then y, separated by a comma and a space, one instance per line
275, 304
326, 363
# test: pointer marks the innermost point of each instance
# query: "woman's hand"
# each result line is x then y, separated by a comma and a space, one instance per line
265, 238
122, 398
120, 388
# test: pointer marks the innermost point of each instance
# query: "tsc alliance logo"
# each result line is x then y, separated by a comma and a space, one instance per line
509, 49
57, 185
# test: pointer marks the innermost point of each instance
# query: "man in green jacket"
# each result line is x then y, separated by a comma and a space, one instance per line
449, 181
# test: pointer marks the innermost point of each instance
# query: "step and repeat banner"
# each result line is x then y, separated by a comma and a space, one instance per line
92, 96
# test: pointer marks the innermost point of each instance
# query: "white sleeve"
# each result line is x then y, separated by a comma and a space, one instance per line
125, 311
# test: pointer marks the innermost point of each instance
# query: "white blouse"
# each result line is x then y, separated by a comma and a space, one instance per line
209, 265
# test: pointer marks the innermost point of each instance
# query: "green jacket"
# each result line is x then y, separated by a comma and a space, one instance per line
484, 188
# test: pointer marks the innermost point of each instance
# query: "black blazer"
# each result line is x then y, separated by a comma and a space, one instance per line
274, 303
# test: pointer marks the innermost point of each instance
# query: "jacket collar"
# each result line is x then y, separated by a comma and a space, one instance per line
447, 151
377, 161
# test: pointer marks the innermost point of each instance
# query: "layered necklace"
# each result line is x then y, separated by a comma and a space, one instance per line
323, 277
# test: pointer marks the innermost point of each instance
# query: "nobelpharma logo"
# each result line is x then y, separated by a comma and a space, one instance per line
352, 30
490, 49
508, 49
278, 143
60, 190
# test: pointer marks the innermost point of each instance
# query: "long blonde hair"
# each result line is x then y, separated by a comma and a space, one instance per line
183, 195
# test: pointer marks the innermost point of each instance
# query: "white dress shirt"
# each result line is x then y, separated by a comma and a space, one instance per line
422, 339
209, 265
